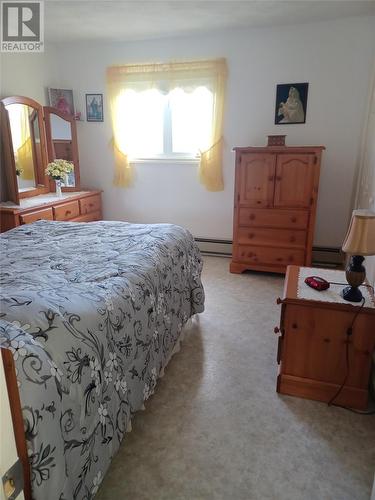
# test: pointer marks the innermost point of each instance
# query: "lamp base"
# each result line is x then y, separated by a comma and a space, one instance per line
352, 294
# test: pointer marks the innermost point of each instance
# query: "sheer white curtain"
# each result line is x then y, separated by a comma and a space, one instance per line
126, 82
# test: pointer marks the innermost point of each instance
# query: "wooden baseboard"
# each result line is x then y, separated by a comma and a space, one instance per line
322, 391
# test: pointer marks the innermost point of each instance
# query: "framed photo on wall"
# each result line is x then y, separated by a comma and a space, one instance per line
291, 103
94, 107
62, 99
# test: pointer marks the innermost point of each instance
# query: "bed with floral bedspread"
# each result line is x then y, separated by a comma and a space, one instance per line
92, 313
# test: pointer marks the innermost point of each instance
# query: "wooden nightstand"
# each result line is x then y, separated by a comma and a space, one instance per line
312, 344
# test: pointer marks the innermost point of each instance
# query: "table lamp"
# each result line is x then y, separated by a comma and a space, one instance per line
359, 241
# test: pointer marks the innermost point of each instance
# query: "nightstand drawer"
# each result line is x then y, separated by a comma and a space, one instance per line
45, 214
90, 204
271, 237
269, 255
66, 211
293, 219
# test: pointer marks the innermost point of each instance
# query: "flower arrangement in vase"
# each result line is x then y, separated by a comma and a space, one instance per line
58, 169
19, 172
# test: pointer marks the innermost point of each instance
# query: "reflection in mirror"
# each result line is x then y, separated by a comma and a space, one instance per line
24, 127
62, 142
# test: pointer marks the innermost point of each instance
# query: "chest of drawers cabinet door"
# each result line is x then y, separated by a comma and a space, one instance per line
84, 206
276, 190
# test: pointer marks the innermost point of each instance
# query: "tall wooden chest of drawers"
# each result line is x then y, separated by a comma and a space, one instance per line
275, 197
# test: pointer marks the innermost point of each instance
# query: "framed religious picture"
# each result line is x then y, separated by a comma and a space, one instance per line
62, 99
291, 103
94, 107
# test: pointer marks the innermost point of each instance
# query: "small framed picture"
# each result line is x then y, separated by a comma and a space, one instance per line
62, 99
94, 107
291, 103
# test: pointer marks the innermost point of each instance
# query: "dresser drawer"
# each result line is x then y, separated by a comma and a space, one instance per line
271, 237
297, 219
44, 214
90, 204
268, 255
94, 216
66, 211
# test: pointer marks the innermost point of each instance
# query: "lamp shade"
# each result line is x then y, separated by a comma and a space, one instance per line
360, 238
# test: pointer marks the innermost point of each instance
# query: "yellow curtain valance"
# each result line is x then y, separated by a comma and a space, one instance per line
171, 74
165, 77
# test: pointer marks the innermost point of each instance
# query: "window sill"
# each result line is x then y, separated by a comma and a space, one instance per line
166, 161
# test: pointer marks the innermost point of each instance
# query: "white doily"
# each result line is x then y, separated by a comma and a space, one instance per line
333, 292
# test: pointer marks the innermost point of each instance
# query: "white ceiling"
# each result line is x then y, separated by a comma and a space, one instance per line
72, 20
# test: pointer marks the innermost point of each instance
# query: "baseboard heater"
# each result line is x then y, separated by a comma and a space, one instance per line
322, 256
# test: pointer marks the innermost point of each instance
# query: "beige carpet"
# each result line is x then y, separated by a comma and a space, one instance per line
216, 429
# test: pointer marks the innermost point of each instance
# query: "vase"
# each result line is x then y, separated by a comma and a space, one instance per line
58, 188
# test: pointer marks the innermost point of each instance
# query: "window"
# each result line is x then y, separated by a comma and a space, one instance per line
169, 110
174, 125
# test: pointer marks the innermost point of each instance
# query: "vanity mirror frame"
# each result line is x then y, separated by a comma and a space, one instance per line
48, 111
43, 183
9, 181
41, 179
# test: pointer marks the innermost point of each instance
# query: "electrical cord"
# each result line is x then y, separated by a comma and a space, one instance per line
363, 284
359, 412
349, 333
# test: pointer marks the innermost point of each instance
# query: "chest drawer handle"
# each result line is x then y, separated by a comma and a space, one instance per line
68, 212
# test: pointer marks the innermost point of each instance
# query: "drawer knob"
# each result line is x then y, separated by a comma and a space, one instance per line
68, 212
276, 329
278, 178
251, 235
294, 219
294, 325
292, 239
252, 217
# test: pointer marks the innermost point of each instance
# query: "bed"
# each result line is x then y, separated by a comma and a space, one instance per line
90, 316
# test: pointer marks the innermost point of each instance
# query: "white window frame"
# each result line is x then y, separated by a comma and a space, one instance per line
168, 156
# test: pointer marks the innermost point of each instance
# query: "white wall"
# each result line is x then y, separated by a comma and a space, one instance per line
333, 56
28, 74
366, 180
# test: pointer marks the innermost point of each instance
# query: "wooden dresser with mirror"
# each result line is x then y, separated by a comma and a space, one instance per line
31, 137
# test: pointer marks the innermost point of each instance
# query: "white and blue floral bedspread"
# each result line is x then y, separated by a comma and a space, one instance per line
91, 313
